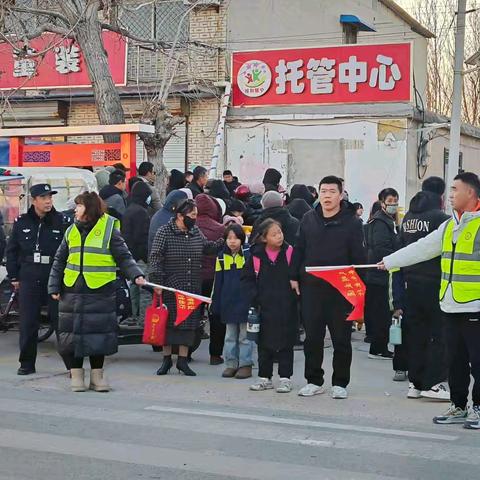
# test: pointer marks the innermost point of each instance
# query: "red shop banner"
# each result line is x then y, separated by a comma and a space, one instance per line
58, 62
326, 75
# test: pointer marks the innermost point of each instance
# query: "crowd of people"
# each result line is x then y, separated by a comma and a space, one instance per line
247, 247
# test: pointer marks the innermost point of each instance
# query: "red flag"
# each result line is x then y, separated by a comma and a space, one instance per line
185, 306
350, 285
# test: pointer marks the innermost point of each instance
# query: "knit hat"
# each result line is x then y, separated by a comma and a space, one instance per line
272, 199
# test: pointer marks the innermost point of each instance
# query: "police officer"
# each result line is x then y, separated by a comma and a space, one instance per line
35, 237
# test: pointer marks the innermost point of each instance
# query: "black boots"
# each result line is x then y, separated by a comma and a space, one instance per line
166, 365
182, 365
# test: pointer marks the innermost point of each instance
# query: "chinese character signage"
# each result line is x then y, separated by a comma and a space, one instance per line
61, 66
343, 74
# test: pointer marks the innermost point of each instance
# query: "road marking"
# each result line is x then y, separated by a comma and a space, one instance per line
303, 423
186, 460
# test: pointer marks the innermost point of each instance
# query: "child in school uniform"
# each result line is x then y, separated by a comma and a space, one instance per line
231, 304
267, 283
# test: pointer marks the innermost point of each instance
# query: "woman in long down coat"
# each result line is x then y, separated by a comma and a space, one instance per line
83, 278
176, 262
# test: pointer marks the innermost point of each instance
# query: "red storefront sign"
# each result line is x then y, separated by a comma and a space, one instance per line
342, 74
60, 63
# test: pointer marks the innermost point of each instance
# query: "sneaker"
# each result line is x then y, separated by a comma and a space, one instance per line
452, 415
285, 386
413, 392
473, 419
339, 392
400, 376
310, 389
381, 356
262, 384
437, 392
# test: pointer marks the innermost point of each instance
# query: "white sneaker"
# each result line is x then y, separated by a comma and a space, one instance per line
437, 392
413, 392
339, 392
285, 386
262, 384
310, 389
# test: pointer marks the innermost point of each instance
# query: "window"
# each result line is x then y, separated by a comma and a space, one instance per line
160, 20
445, 163
349, 33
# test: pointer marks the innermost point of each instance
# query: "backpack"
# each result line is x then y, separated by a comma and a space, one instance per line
256, 260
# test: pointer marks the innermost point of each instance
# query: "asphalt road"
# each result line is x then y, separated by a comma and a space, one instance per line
208, 427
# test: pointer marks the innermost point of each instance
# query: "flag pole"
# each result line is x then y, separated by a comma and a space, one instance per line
169, 289
339, 267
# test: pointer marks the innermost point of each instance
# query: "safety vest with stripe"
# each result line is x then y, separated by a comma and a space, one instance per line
226, 262
461, 262
94, 259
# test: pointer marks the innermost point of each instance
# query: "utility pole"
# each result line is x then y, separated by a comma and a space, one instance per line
456, 115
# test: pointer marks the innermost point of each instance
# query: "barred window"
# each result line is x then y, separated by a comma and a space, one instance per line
159, 20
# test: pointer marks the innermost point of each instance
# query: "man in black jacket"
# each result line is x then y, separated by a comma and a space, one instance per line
199, 181
381, 239
427, 362
272, 203
330, 235
36, 236
134, 227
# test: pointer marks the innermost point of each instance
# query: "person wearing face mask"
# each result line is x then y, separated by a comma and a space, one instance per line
381, 234
175, 261
134, 227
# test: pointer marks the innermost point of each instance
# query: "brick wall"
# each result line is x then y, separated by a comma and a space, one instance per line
202, 130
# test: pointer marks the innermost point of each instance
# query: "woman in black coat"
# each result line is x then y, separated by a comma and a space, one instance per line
175, 261
87, 325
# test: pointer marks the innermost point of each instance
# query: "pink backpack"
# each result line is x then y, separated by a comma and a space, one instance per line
256, 260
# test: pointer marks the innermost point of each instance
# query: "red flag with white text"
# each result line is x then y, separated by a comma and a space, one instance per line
349, 284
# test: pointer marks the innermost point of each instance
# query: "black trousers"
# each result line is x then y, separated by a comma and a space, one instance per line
427, 364
379, 317
323, 306
96, 361
32, 296
266, 359
463, 341
217, 328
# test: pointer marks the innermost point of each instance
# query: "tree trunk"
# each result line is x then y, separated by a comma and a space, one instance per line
107, 99
155, 155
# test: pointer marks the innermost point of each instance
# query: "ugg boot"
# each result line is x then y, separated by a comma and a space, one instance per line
97, 381
78, 380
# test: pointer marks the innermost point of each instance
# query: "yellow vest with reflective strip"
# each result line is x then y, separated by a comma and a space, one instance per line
228, 260
94, 260
461, 262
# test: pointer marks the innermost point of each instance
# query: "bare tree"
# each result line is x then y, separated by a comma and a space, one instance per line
439, 17
84, 21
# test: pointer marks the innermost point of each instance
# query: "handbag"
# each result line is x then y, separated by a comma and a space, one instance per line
156, 317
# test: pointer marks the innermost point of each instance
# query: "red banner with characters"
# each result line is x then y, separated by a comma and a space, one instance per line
340, 74
185, 306
350, 285
58, 62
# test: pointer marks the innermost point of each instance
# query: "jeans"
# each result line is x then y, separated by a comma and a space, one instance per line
140, 297
237, 350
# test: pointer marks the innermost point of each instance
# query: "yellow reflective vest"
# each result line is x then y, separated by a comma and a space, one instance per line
93, 259
461, 262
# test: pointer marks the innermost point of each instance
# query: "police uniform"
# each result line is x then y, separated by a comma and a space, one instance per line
30, 252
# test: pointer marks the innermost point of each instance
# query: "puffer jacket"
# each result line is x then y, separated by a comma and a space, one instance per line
209, 222
87, 322
430, 247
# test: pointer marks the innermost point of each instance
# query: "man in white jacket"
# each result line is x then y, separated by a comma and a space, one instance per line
457, 240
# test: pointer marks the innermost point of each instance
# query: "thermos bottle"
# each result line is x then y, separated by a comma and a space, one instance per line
253, 325
396, 331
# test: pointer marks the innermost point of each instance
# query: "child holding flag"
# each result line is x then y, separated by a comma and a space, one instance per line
231, 304
266, 281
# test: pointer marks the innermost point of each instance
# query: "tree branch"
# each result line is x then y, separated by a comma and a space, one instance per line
45, 13
51, 28
126, 33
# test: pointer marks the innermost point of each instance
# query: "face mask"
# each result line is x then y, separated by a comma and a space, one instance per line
391, 209
189, 222
148, 200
